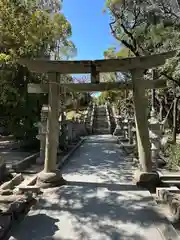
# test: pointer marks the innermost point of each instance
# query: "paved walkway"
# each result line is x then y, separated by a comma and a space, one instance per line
100, 202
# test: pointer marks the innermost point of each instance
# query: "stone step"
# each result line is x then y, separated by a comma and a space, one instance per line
170, 177
101, 119
171, 182
101, 122
101, 130
101, 125
100, 113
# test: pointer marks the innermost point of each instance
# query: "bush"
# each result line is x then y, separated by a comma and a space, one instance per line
173, 154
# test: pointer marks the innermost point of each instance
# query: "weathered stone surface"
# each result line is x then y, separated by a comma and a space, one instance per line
3, 170
5, 224
162, 191
171, 199
33, 189
175, 210
6, 192
146, 179
13, 182
117, 131
51, 179
40, 160
12, 198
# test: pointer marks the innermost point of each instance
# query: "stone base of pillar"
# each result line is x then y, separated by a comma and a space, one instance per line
50, 179
128, 147
117, 131
40, 161
149, 180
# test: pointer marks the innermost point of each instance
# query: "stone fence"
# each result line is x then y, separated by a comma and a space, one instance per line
125, 126
74, 129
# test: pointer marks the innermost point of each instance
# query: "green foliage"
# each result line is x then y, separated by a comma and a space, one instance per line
26, 31
173, 153
145, 28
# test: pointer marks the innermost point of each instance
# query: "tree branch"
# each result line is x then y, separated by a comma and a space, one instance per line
170, 78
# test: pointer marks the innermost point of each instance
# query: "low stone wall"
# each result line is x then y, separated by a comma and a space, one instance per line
75, 129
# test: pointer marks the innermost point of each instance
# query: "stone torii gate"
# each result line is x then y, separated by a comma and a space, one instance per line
50, 176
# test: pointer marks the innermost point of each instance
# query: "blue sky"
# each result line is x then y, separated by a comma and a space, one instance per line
90, 28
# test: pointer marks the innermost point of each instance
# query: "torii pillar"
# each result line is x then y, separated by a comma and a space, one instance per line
51, 176
144, 176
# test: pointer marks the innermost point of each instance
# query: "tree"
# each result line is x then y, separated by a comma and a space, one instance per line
29, 31
25, 31
147, 27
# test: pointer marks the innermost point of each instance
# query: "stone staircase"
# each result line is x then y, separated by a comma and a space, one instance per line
101, 125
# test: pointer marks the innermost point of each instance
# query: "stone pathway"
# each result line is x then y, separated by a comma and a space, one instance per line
100, 201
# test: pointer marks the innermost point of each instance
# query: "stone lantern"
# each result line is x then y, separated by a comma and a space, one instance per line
42, 133
118, 129
125, 127
130, 132
155, 135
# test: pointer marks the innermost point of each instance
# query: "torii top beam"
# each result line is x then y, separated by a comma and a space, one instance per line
105, 65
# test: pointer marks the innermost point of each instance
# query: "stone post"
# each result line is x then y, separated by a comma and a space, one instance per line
62, 119
155, 138
42, 134
118, 129
140, 105
92, 119
50, 176
130, 133
107, 115
125, 128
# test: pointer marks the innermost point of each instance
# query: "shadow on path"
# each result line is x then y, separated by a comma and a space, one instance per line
108, 186
92, 212
104, 162
41, 227
98, 203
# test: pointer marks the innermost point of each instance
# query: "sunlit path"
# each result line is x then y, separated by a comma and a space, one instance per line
99, 202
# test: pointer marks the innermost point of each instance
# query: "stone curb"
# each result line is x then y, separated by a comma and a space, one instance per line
63, 161
25, 163
32, 181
